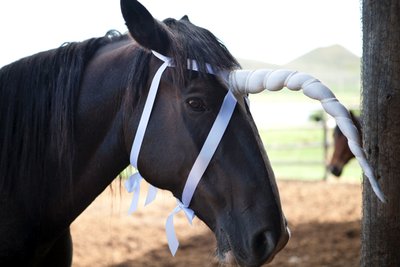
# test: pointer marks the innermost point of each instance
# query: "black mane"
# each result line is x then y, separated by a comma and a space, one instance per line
38, 95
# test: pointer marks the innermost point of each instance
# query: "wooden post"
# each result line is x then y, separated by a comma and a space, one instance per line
381, 130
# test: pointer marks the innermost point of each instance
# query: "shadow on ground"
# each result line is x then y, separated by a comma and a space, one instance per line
312, 244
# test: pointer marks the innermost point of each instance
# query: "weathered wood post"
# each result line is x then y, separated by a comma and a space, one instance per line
381, 130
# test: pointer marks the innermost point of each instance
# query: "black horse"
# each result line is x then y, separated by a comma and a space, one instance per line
67, 122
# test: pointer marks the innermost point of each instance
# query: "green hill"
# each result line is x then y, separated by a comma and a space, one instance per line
335, 66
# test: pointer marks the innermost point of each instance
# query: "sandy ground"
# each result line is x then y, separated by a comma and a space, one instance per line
324, 218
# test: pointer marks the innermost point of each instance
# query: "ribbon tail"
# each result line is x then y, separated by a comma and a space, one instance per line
131, 182
135, 200
173, 242
151, 194
134, 183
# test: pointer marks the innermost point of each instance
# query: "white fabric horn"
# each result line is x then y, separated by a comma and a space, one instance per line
256, 81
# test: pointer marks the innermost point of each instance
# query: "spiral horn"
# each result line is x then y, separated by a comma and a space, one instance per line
256, 81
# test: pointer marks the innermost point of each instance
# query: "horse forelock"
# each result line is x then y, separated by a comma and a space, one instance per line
38, 96
195, 43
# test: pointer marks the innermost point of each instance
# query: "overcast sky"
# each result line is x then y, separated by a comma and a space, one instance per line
272, 31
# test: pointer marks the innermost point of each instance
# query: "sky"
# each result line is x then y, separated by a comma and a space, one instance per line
273, 31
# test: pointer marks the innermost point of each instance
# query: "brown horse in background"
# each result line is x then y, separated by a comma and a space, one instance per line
342, 154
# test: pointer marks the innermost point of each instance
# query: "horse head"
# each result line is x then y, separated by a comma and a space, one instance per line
341, 150
237, 196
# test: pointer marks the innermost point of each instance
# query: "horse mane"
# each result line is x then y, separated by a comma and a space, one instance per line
38, 97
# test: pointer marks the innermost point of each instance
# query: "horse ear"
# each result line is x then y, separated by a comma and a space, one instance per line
185, 18
146, 30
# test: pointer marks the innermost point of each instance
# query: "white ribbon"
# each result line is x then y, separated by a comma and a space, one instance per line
210, 146
151, 194
132, 185
137, 141
144, 120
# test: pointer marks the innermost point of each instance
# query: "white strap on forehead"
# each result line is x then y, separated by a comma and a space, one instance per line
210, 146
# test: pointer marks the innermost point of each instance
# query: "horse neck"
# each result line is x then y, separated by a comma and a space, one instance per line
101, 151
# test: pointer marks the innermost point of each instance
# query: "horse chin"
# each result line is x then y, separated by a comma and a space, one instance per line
224, 253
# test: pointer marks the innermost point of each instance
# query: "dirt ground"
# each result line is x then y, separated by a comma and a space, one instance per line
324, 218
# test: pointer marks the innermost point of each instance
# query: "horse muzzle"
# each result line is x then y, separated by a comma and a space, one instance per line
335, 170
261, 248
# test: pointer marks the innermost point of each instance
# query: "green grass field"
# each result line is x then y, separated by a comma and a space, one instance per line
296, 152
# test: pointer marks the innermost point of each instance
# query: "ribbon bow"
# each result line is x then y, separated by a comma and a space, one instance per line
173, 242
132, 185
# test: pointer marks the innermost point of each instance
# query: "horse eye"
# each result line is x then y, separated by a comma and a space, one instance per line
196, 104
